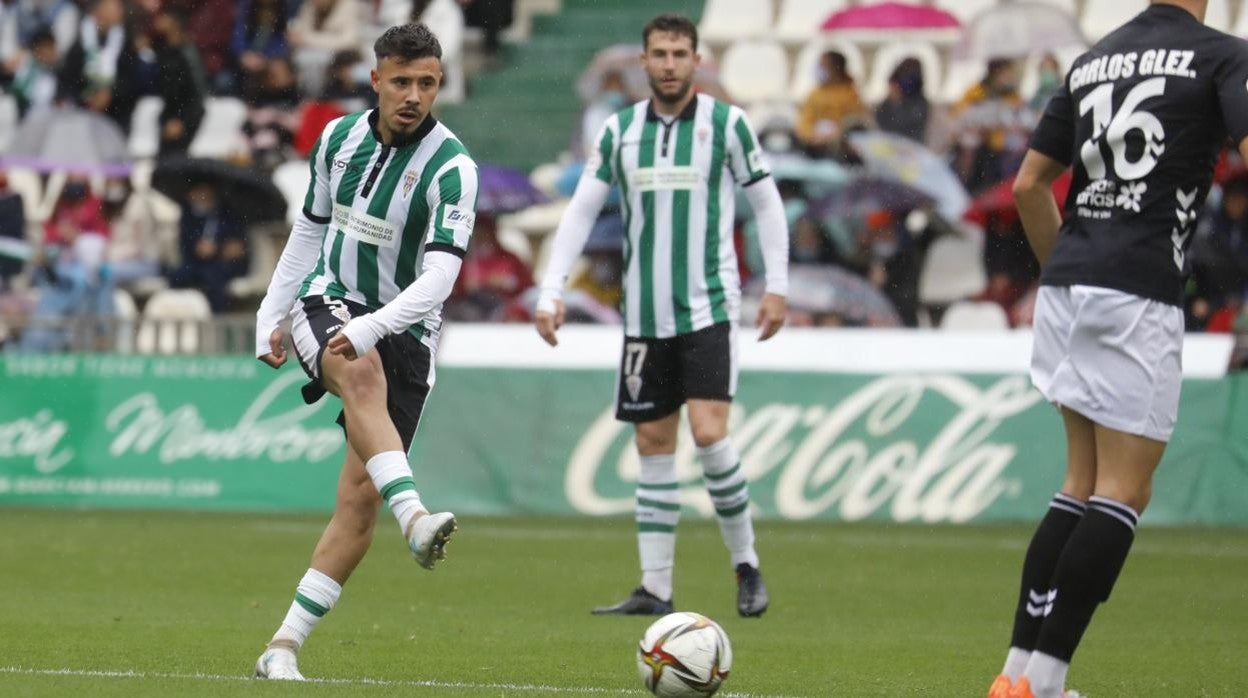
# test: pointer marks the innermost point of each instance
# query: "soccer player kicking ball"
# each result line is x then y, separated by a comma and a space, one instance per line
1141, 116
384, 228
677, 158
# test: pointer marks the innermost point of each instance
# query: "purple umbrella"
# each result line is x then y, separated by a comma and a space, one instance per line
891, 15
503, 190
868, 194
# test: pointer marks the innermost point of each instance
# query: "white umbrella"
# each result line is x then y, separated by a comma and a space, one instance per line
69, 139
1019, 29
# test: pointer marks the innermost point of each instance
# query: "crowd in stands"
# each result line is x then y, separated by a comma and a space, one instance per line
296, 64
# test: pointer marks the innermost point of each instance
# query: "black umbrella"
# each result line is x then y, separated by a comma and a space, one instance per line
248, 194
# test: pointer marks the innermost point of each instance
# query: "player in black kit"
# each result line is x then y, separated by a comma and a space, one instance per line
1141, 119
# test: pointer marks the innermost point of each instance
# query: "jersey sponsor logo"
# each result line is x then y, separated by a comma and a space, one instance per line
457, 218
365, 228
665, 178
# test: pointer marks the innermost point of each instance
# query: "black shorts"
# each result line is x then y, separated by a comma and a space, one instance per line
657, 376
408, 363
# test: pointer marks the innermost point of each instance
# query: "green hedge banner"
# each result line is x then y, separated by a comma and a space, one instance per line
227, 433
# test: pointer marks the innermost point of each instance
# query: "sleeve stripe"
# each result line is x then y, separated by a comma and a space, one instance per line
443, 247
321, 220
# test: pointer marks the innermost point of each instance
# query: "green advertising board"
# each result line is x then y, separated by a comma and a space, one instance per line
227, 433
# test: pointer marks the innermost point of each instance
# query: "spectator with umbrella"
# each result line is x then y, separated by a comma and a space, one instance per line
102, 71
905, 110
831, 107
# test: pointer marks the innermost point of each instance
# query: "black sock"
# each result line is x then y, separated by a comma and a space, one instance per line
1086, 573
1047, 543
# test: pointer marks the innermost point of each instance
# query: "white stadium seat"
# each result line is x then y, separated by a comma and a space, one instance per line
8, 120
953, 269
29, 186
965, 10
808, 58
126, 313
1240, 27
1100, 17
728, 20
292, 179
1218, 15
889, 55
961, 75
145, 127
221, 132
975, 315
799, 20
171, 322
755, 71
1068, 5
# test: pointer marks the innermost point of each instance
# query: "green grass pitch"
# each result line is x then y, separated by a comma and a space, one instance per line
160, 604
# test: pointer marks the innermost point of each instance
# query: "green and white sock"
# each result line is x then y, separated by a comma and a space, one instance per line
392, 477
730, 494
658, 512
314, 597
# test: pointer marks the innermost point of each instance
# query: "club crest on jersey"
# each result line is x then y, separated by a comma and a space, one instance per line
633, 385
703, 134
409, 181
340, 311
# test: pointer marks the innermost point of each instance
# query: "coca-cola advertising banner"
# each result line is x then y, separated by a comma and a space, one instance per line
931, 447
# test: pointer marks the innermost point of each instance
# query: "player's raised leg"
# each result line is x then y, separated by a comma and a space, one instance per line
343, 544
361, 383
1065, 512
657, 513
730, 494
1094, 556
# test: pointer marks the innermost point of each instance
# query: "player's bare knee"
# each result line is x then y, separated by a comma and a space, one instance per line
362, 380
654, 441
708, 434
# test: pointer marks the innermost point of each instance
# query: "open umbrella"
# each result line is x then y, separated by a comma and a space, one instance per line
866, 195
1019, 29
890, 18
624, 59
997, 202
504, 190
248, 194
828, 289
818, 176
889, 156
73, 140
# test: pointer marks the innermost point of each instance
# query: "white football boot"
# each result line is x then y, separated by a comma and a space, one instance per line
278, 663
428, 537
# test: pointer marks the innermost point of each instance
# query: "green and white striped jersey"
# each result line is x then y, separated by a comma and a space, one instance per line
677, 179
384, 206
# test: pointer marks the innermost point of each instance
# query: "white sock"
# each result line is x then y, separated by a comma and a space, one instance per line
1047, 675
314, 597
658, 512
1016, 663
392, 477
730, 494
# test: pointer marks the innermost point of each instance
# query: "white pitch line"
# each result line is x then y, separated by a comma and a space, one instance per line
364, 681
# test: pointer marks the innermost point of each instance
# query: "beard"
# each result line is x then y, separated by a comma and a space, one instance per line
656, 88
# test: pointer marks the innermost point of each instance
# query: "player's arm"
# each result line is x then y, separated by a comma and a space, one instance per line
298, 257
572, 233
451, 218
1051, 152
749, 168
1037, 209
1230, 78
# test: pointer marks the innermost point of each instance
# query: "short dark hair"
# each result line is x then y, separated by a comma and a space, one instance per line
42, 35
408, 42
672, 24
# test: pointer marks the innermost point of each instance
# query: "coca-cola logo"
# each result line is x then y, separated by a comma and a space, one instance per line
858, 456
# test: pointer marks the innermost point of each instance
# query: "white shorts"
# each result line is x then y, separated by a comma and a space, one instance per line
1114, 357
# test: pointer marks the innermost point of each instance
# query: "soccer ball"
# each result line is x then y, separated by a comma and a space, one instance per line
684, 654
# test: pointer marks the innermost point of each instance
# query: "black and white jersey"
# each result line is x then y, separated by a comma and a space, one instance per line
1141, 117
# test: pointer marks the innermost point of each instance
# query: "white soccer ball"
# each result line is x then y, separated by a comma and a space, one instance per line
684, 654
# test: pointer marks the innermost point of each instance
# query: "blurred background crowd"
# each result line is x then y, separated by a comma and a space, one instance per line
153, 152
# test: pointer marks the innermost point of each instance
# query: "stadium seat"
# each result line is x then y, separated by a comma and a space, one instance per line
1218, 14
953, 269
292, 179
755, 71
171, 322
808, 59
126, 313
965, 10
263, 254
1067, 5
729, 20
145, 127
1240, 26
799, 20
961, 75
975, 315
764, 115
889, 55
8, 120
220, 134
1100, 17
